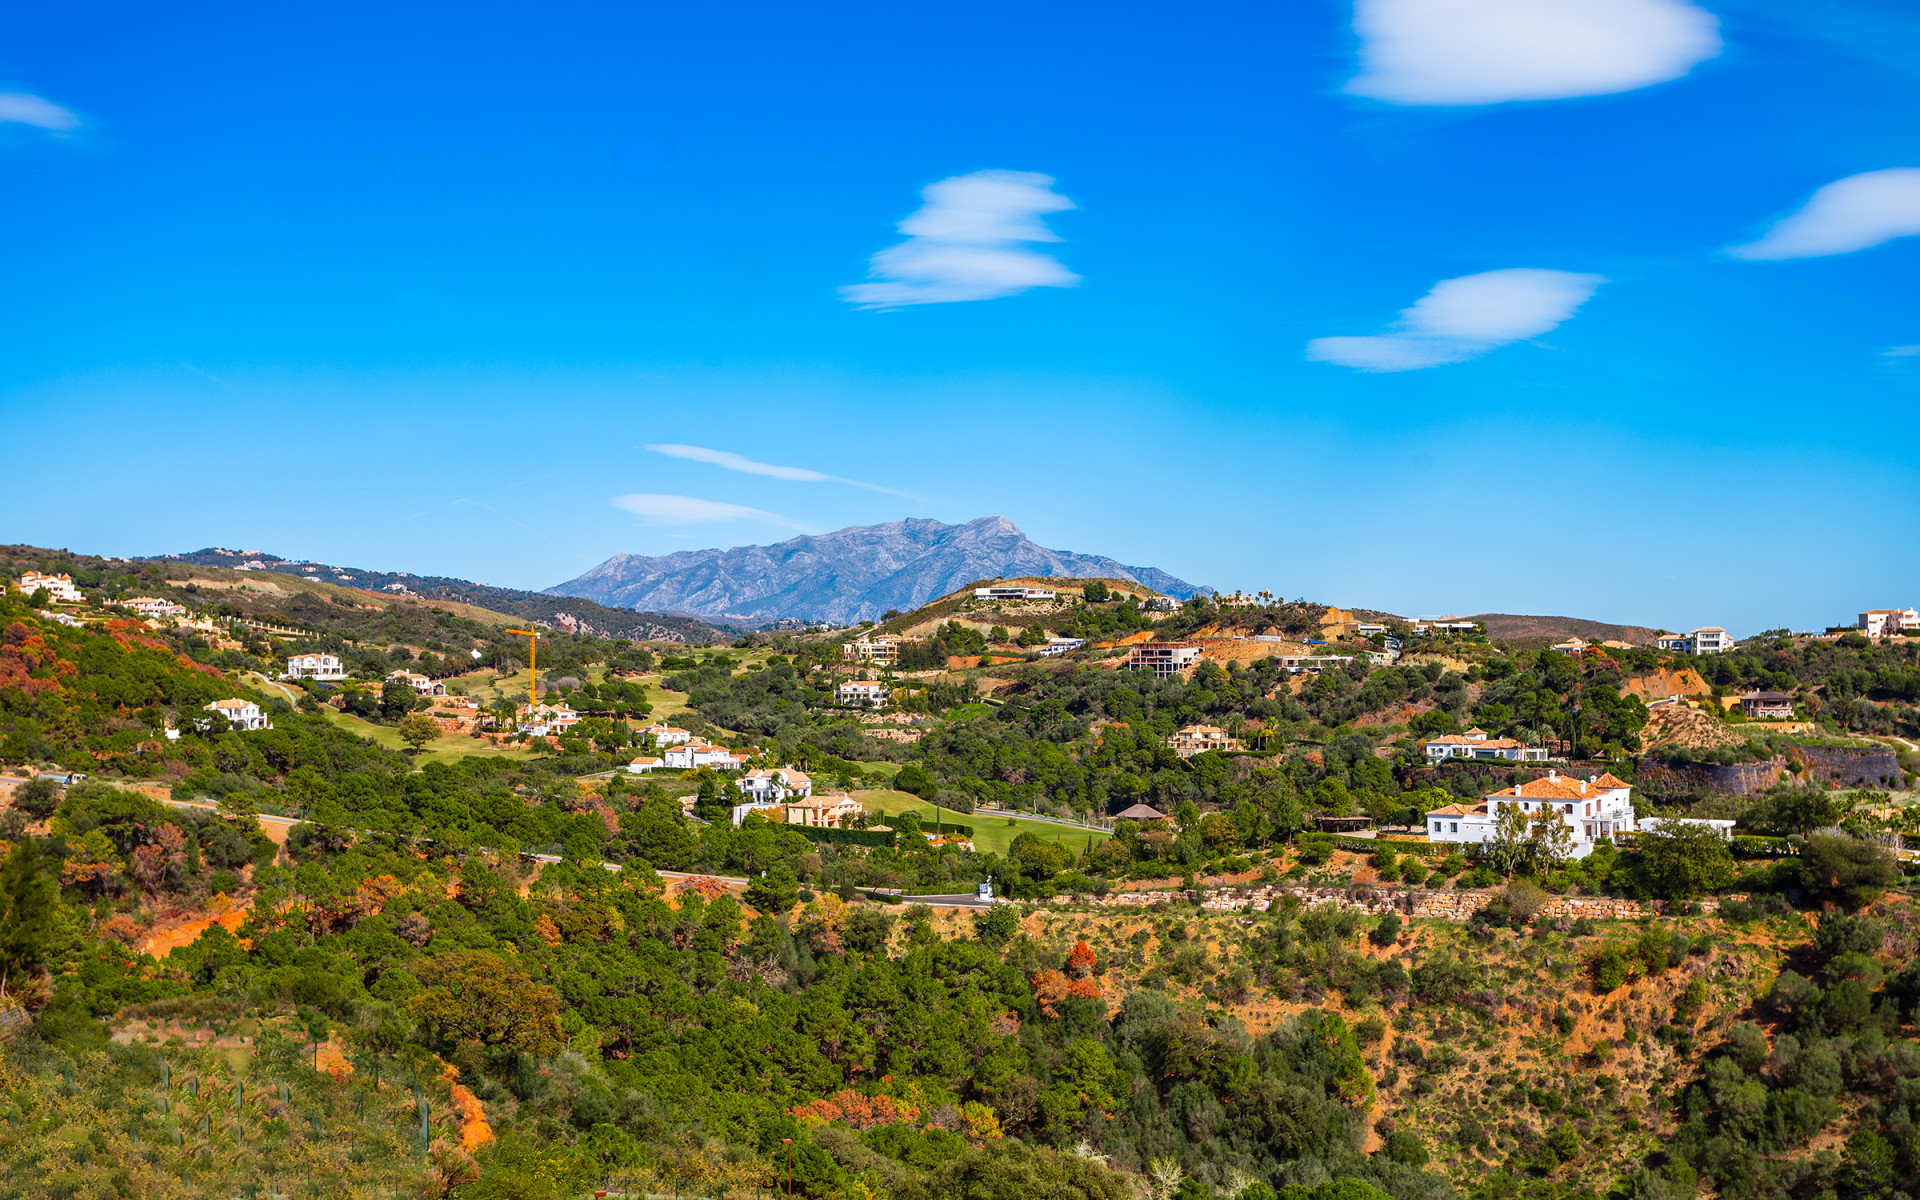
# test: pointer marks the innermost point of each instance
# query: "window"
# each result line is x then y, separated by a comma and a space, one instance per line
1456, 826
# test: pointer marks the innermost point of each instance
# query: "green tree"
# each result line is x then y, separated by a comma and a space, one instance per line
27, 900
478, 995
37, 798
1007, 1169
417, 729
1850, 870
997, 925
397, 699
1679, 860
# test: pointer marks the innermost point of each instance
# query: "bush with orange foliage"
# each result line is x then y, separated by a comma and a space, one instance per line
858, 1111
1052, 988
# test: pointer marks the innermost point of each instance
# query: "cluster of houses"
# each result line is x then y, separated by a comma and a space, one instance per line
1710, 639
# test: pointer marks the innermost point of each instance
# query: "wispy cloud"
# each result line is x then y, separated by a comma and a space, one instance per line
969, 242
25, 108
1846, 215
690, 510
730, 461
1490, 51
1461, 319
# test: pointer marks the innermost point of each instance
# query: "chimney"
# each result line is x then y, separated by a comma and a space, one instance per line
1552, 773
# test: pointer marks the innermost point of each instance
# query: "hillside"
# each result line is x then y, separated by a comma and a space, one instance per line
1510, 627
848, 575
572, 615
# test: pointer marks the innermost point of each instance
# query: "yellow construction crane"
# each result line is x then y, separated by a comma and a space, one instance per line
533, 667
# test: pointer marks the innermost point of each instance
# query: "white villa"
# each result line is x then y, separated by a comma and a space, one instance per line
419, 683
241, 714
863, 694
645, 765
665, 735
694, 754
314, 666
1475, 743
60, 587
1060, 645
1595, 808
152, 606
541, 720
773, 784
1013, 593
1884, 622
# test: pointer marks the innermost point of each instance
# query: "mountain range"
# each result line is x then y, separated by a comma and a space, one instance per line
848, 575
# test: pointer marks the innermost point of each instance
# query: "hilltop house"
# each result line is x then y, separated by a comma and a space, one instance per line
241, 714
1012, 593
152, 606
1197, 739
881, 648
1476, 743
1312, 664
1572, 646
859, 693
1709, 639
1446, 624
1768, 706
542, 720
314, 666
694, 754
1162, 658
1594, 808
419, 683
60, 587
1060, 645
1885, 622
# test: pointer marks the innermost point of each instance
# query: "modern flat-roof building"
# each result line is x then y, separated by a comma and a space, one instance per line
1709, 639
1446, 624
1013, 593
1162, 658
1061, 645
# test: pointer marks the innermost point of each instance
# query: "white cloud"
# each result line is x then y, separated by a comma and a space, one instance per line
1846, 215
1491, 51
25, 108
730, 461
968, 242
1901, 351
1461, 319
690, 510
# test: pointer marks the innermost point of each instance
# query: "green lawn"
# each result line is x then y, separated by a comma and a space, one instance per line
989, 833
448, 748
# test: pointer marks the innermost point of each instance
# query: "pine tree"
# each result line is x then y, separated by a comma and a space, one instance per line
27, 894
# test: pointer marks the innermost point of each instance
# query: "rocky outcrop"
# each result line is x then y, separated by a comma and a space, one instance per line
847, 575
1680, 780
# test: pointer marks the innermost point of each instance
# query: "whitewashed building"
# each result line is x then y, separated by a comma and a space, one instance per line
860, 693
60, 587
1476, 743
664, 735
152, 606
696, 754
1013, 593
1594, 809
419, 683
323, 667
241, 714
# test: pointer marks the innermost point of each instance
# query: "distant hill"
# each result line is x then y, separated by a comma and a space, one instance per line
1508, 627
572, 615
848, 575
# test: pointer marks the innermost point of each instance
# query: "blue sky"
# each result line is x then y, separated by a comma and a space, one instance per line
1599, 307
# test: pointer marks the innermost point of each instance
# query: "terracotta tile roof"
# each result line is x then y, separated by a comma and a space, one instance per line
1553, 787
1610, 780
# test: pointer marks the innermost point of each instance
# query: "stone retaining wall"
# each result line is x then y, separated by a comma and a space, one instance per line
1448, 905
